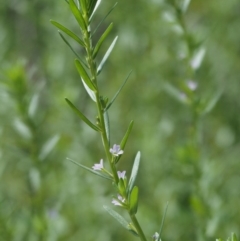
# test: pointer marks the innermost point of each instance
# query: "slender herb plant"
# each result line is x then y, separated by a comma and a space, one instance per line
126, 191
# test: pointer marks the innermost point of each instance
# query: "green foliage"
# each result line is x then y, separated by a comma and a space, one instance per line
189, 143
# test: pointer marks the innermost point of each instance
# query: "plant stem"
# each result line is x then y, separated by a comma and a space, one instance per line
100, 110
138, 227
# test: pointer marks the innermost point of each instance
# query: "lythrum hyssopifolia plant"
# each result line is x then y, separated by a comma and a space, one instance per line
126, 191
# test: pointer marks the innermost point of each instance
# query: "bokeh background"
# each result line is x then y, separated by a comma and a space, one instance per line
45, 197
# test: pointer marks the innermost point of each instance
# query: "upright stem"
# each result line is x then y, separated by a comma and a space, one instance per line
100, 110
138, 227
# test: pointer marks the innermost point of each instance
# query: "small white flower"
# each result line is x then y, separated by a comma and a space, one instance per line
155, 236
121, 174
98, 167
116, 150
118, 202
192, 85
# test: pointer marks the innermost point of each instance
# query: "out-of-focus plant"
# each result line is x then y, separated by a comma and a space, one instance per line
192, 154
26, 196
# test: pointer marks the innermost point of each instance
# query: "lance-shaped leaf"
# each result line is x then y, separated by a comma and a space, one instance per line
68, 32
103, 19
234, 237
101, 40
82, 116
133, 201
185, 5
99, 69
89, 91
134, 173
197, 58
121, 187
107, 125
93, 8
124, 140
77, 14
92, 171
48, 147
121, 220
175, 93
69, 45
84, 75
163, 219
116, 95
212, 102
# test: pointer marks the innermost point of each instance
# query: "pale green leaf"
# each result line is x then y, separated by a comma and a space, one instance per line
104, 19
69, 45
133, 201
163, 219
90, 92
48, 147
77, 14
94, 8
101, 40
99, 69
68, 32
134, 173
107, 125
91, 170
84, 75
212, 102
82, 116
116, 95
124, 140
121, 220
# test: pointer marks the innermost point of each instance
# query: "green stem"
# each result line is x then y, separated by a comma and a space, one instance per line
138, 227
100, 110
92, 67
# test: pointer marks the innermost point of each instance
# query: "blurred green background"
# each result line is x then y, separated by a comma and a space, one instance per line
45, 197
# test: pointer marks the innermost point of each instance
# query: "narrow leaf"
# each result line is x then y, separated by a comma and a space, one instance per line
163, 219
68, 32
107, 125
91, 170
212, 103
175, 93
118, 217
124, 140
116, 95
82, 116
48, 147
134, 173
68, 44
84, 75
234, 237
101, 40
91, 5
197, 59
104, 19
89, 91
94, 8
134, 201
77, 14
185, 5
99, 69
